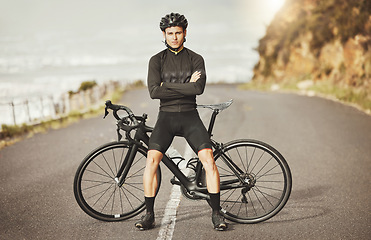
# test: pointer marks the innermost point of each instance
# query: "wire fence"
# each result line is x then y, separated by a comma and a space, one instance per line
35, 110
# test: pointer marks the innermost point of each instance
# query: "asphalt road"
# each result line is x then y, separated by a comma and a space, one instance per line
327, 145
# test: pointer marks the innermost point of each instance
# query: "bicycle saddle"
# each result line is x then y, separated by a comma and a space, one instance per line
218, 106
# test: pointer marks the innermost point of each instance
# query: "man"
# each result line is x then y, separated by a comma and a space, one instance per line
175, 76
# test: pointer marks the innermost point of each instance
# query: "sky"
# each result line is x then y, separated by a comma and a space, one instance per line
68, 41
62, 15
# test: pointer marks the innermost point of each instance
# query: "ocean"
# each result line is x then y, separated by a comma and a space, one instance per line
48, 49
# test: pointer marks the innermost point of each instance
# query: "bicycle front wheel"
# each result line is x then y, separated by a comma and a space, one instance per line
262, 185
99, 194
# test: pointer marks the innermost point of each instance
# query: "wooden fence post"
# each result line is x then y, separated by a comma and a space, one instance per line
28, 110
52, 107
42, 108
12, 105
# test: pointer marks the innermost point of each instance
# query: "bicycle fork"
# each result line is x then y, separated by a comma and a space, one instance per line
125, 166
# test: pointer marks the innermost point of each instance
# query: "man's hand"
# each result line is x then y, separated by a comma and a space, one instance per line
195, 76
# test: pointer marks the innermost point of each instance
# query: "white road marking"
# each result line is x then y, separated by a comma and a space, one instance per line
168, 221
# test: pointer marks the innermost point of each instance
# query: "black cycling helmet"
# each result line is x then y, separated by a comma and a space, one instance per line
173, 20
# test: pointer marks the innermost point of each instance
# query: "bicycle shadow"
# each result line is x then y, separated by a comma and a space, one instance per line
303, 204
197, 213
185, 213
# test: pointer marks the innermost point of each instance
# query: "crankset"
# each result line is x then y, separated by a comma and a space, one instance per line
201, 182
189, 195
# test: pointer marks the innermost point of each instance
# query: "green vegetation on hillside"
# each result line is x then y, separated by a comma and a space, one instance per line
327, 42
330, 19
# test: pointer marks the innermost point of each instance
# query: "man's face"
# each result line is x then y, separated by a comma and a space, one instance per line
174, 36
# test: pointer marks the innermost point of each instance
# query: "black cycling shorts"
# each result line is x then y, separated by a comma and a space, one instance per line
184, 124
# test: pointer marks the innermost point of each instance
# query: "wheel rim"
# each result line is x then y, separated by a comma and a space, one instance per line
265, 187
98, 191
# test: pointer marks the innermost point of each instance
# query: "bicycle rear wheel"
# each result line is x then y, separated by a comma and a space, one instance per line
96, 190
266, 181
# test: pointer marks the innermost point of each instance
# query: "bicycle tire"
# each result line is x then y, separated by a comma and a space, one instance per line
96, 190
269, 177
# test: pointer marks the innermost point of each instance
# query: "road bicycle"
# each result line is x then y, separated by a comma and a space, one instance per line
255, 179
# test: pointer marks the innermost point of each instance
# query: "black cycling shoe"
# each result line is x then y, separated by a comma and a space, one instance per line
147, 222
218, 221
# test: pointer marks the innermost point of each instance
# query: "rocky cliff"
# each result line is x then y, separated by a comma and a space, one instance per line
318, 40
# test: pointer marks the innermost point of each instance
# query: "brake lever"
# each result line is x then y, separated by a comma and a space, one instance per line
105, 112
108, 103
119, 136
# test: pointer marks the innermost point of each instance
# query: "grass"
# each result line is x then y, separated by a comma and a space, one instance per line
268, 84
360, 97
11, 134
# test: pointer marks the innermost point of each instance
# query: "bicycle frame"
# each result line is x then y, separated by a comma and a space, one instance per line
141, 136
255, 177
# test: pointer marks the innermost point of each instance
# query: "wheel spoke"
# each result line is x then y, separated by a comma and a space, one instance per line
114, 160
140, 159
266, 181
97, 190
263, 166
266, 194
108, 200
257, 161
113, 199
101, 174
226, 200
239, 209
227, 176
239, 156
227, 170
252, 204
103, 193
132, 193
103, 170
100, 183
252, 157
270, 174
109, 166
133, 186
127, 198
270, 188
133, 175
98, 193
257, 198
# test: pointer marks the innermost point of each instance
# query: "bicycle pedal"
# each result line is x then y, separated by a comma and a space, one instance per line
200, 195
173, 181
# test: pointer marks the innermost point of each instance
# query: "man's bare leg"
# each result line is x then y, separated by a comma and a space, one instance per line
212, 174
149, 176
213, 186
150, 185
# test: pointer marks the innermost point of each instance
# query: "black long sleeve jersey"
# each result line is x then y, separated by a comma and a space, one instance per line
174, 71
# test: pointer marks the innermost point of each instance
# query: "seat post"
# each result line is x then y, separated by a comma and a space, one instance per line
212, 121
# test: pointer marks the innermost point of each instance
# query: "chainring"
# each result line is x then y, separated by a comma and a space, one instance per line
202, 182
